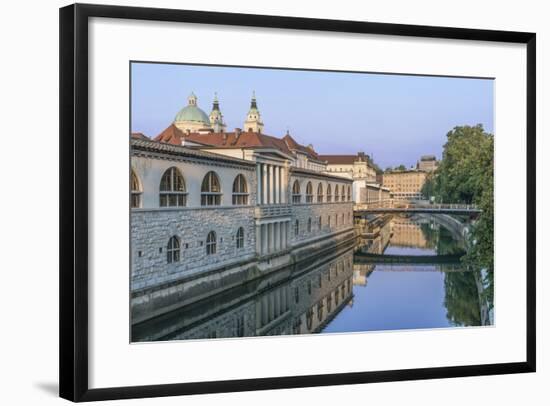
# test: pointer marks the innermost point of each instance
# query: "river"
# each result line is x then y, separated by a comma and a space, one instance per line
402, 273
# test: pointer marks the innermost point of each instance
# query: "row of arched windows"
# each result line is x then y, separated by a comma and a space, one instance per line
173, 193
297, 197
320, 222
173, 248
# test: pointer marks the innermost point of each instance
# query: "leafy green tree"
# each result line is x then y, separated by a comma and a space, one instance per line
401, 168
462, 299
428, 188
465, 175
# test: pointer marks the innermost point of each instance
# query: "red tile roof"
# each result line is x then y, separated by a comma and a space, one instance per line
294, 146
139, 136
243, 139
339, 159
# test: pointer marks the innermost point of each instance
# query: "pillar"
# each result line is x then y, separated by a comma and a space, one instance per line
258, 239
277, 239
259, 183
264, 184
282, 235
270, 192
264, 239
276, 185
280, 191
271, 237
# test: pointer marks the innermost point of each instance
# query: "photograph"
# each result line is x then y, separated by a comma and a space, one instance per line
273, 201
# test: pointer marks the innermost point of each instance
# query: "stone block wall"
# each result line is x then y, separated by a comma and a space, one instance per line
335, 217
152, 229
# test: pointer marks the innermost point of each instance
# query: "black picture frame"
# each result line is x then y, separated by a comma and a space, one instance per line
73, 278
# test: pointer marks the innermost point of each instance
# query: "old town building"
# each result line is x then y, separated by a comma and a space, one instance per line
213, 210
404, 185
427, 163
358, 167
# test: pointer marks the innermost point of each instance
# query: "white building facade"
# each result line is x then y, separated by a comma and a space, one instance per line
213, 210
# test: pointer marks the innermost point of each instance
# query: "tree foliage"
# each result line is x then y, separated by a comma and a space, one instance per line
465, 175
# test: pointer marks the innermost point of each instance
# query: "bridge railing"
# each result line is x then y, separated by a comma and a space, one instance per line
406, 204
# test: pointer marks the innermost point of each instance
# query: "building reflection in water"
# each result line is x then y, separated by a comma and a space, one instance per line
308, 297
295, 300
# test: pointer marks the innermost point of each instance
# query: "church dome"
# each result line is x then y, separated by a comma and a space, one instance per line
192, 113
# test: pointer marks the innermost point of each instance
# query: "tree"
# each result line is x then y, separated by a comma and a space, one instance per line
401, 168
428, 188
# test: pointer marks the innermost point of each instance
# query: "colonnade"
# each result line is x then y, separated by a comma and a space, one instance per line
271, 305
272, 183
272, 236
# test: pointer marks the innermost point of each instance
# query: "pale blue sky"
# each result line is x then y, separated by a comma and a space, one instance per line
396, 118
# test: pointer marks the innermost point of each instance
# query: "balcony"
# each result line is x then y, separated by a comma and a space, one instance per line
273, 210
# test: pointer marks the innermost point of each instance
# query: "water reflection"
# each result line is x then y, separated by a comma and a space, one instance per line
402, 273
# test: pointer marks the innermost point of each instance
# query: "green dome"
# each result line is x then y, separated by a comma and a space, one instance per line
192, 113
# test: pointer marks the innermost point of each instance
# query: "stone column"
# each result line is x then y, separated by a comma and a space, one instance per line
280, 190
258, 314
284, 184
264, 310
276, 183
259, 183
271, 307
271, 188
282, 235
268, 238
264, 239
264, 184
277, 304
258, 239
277, 239
271, 237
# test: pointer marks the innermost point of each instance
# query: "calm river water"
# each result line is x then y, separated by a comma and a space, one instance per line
403, 273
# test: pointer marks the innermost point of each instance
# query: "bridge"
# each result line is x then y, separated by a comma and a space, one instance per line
367, 258
411, 263
391, 206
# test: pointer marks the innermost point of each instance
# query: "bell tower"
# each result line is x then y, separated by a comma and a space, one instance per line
216, 116
253, 121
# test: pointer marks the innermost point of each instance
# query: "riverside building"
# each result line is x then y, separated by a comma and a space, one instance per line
213, 210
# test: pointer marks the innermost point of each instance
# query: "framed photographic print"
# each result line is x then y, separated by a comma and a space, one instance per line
256, 202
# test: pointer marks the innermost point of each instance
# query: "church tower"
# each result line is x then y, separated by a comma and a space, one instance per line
253, 121
216, 116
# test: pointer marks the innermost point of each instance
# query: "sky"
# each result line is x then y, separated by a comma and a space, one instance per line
394, 118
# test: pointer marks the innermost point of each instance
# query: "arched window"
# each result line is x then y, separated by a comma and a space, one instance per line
211, 243
296, 227
320, 193
336, 220
336, 194
349, 193
309, 193
240, 190
329, 194
211, 190
296, 197
328, 220
329, 302
173, 250
309, 225
172, 189
136, 191
240, 238
320, 222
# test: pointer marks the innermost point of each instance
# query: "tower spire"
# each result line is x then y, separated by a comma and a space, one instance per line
253, 122
216, 116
